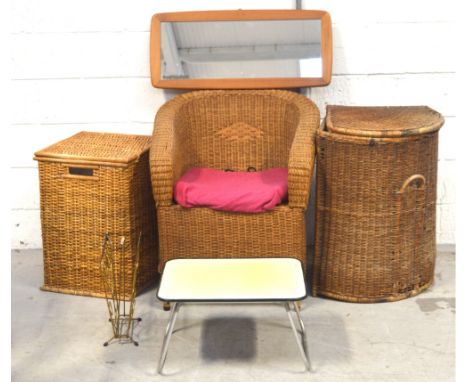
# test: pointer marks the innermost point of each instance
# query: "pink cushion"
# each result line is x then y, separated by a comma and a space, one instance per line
232, 191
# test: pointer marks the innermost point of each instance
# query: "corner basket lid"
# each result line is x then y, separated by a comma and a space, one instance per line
382, 121
97, 147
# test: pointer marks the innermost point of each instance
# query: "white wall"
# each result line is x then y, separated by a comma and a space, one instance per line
84, 65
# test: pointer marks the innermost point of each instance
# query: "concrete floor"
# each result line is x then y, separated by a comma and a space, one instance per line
58, 337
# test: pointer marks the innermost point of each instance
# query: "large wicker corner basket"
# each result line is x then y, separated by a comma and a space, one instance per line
93, 184
376, 203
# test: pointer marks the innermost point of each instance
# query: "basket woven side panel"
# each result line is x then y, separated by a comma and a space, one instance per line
205, 233
374, 243
143, 219
75, 214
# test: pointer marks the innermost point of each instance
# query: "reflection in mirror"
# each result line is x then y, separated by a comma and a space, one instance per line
241, 49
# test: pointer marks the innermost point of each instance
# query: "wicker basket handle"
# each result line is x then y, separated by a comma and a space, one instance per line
80, 172
420, 187
420, 183
411, 179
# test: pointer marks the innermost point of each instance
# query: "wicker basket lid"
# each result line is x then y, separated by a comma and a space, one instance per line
382, 121
97, 147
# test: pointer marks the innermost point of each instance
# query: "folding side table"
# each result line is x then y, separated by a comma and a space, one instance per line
253, 280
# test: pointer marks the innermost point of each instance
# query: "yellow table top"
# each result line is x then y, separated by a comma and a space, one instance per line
258, 279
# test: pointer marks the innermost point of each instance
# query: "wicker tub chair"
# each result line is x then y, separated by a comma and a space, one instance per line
225, 129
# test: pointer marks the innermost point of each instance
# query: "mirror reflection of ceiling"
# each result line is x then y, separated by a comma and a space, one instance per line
241, 49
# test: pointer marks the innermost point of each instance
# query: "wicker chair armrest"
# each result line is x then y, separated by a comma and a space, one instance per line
302, 156
166, 163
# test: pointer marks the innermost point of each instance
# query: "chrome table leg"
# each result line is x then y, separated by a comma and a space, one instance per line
167, 336
302, 344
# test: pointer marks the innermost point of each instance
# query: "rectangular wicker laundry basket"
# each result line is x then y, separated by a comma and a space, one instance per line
376, 203
92, 184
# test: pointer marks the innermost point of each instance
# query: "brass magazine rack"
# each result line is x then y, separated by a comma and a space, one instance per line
116, 281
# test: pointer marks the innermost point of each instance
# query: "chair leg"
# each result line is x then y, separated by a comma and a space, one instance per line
167, 336
302, 344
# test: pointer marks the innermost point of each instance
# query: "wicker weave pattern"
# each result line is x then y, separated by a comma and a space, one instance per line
76, 212
205, 233
97, 147
233, 130
382, 121
375, 216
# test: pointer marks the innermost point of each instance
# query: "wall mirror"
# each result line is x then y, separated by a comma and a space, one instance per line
259, 49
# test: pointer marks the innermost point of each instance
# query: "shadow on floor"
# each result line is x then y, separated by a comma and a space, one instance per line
228, 338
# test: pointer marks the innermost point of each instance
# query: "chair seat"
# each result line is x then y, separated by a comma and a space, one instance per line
238, 191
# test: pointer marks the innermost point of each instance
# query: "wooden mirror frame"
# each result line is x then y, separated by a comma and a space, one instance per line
241, 83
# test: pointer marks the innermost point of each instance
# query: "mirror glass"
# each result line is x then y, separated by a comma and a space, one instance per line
241, 49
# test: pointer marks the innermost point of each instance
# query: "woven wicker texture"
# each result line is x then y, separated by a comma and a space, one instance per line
382, 121
98, 147
375, 216
77, 210
233, 130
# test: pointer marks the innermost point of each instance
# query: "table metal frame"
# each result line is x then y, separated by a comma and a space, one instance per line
301, 342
